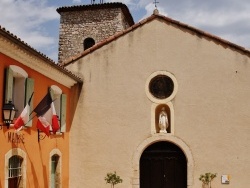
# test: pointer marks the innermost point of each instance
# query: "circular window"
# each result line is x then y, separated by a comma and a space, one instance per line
161, 86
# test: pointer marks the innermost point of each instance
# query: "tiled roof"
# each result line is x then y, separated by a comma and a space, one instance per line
124, 8
40, 55
196, 31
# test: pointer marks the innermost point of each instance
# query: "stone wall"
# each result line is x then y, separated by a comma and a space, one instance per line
98, 24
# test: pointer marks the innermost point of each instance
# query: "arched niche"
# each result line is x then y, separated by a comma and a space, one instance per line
155, 111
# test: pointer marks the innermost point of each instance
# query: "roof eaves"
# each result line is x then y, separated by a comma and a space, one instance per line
88, 7
202, 33
196, 31
124, 8
105, 41
13, 38
24, 45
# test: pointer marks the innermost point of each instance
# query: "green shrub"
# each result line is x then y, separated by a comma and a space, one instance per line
113, 179
207, 178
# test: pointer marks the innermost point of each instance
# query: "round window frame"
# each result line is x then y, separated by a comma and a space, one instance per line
151, 96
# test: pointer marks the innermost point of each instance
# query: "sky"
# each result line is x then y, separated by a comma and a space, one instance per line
36, 22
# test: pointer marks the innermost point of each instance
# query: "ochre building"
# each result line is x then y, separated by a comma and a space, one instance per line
29, 158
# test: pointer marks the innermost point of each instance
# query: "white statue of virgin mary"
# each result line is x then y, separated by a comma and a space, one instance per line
163, 121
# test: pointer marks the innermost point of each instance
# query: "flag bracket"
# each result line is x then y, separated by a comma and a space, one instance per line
40, 136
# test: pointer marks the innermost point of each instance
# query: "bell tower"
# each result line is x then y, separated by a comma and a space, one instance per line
83, 26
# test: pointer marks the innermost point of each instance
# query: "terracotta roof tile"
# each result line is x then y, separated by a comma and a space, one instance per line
110, 38
136, 25
117, 35
143, 21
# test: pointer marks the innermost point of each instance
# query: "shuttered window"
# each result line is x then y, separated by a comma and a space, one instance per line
63, 113
18, 88
9, 83
60, 102
29, 89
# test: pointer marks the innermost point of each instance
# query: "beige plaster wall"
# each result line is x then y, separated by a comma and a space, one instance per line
113, 116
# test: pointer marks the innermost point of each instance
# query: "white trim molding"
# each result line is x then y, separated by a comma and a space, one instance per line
156, 100
8, 155
56, 152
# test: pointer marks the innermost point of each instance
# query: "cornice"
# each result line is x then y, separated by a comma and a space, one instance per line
123, 7
13, 51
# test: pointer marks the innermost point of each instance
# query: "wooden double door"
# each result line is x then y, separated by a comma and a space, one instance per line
163, 165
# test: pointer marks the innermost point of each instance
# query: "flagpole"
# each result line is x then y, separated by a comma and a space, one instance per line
22, 119
30, 98
29, 121
44, 107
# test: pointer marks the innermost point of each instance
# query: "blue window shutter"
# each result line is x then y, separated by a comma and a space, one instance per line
28, 92
63, 113
9, 85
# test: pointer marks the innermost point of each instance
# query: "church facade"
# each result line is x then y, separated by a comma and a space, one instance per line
162, 103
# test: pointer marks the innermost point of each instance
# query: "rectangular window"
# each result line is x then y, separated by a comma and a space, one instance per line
18, 88
15, 172
18, 98
60, 102
55, 172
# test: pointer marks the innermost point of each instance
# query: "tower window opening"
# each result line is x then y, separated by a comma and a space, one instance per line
88, 42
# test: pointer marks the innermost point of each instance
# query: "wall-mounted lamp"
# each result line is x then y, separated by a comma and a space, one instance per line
9, 112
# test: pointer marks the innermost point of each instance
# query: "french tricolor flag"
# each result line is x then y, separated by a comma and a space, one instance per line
54, 124
47, 118
23, 119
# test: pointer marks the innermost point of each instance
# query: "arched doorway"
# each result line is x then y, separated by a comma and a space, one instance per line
163, 165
